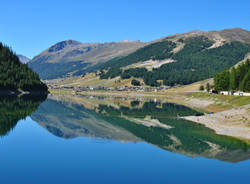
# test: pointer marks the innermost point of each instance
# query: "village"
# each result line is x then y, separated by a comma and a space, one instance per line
79, 89
105, 88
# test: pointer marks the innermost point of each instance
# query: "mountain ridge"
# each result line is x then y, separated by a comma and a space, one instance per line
73, 58
59, 59
23, 59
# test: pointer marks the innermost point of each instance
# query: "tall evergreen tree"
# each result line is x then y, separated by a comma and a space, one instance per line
236, 79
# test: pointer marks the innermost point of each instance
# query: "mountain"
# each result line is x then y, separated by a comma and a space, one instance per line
69, 120
181, 58
23, 59
71, 57
177, 59
17, 76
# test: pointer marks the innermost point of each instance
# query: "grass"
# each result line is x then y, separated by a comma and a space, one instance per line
230, 100
58, 91
222, 102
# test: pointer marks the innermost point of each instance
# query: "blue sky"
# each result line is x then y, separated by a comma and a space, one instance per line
30, 26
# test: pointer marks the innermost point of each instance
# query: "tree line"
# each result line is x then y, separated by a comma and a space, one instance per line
234, 79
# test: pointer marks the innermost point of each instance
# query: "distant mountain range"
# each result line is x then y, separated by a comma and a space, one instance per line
176, 59
23, 59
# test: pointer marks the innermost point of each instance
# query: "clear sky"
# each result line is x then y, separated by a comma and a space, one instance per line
30, 26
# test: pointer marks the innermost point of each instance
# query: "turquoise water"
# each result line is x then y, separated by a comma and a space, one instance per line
65, 142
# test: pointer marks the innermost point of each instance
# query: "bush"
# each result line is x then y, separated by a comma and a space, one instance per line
208, 87
135, 82
201, 88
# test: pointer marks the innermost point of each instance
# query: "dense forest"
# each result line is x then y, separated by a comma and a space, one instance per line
234, 79
14, 75
194, 62
13, 108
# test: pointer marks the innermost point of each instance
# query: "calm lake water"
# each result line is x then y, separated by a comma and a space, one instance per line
77, 139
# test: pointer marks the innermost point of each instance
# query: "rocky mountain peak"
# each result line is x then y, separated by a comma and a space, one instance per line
61, 45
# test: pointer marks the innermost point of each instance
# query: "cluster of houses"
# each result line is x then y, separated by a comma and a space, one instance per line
234, 93
237, 93
105, 88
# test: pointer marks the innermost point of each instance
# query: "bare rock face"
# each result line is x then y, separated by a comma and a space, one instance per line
61, 45
236, 34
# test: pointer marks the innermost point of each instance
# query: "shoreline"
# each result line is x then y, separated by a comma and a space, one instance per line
20, 92
234, 122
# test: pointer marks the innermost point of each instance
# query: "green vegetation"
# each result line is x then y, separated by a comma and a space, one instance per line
155, 51
194, 62
13, 108
135, 82
208, 87
112, 73
234, 79
59, 70
201, 88
227, 101
14, 75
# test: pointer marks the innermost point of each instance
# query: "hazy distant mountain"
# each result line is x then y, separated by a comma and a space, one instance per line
74, 58
23, 59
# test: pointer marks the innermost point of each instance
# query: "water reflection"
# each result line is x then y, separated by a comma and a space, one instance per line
13, 108
134, 120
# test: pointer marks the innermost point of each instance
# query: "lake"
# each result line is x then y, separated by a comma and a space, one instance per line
85, 139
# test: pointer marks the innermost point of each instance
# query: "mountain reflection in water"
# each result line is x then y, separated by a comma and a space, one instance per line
132, 120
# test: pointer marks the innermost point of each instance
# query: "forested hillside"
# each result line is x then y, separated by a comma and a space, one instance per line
195, 61
14, 75
234, 79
